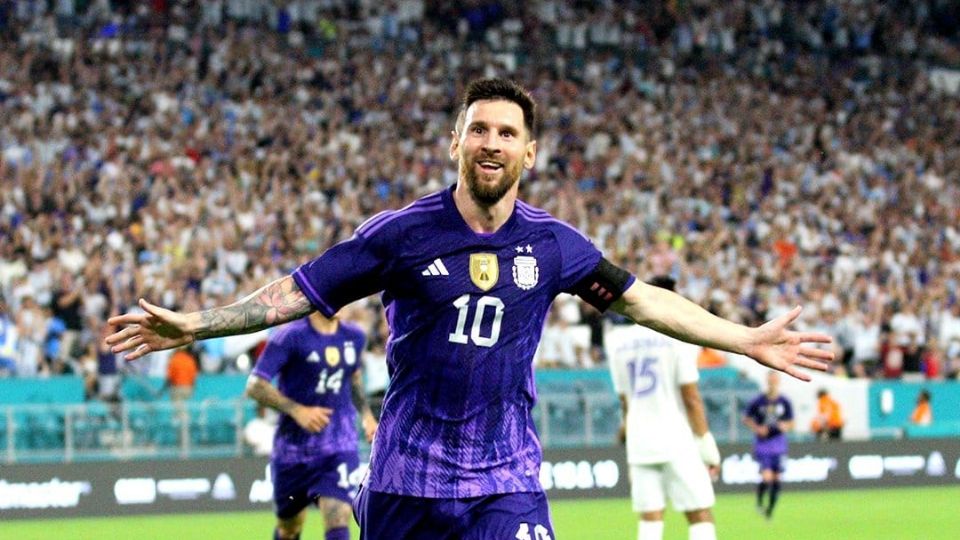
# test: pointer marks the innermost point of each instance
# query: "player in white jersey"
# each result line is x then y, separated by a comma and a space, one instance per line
670, 450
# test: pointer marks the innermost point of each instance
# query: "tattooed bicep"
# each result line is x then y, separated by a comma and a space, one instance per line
276, 303
283, 301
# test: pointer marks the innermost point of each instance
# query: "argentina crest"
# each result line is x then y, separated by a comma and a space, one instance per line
484, 270
349, 353
526, 273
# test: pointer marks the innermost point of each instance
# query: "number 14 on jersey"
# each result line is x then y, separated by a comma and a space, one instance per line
331, 382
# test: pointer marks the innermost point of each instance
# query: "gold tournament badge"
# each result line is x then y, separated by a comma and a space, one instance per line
332, 355
484, 270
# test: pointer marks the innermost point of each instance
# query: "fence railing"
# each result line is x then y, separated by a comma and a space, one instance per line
133, 430
593, 419
214, 428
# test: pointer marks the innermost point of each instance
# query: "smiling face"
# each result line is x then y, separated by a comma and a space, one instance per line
492, 147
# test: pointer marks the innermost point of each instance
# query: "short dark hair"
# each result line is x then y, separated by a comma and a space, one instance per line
500, 89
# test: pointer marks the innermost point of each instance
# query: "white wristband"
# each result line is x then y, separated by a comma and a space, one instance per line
709, 452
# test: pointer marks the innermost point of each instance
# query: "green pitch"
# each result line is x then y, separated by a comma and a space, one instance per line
891, 514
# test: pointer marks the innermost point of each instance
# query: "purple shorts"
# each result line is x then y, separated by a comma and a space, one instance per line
771, 462
298, 485
385, 516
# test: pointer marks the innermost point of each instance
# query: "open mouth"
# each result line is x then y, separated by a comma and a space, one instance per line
488, 166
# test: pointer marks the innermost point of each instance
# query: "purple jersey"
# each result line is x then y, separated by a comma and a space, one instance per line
466, 311
314, 369
766, 411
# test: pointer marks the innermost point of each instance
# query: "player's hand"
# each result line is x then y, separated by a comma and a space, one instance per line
312, 419
762, 430
714, 472
370, 426
776, 347
154, 330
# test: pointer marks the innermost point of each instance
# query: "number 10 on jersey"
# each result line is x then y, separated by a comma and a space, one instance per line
484, 305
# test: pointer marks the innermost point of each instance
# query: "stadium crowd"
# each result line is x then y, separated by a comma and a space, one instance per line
765, 154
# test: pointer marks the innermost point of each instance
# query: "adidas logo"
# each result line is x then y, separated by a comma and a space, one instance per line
436, 268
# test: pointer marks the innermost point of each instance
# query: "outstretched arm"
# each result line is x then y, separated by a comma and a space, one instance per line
158, 329
771, 344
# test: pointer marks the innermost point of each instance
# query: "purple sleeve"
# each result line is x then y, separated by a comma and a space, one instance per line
274, 356
348, 271
578, 256
787, 410
751, 411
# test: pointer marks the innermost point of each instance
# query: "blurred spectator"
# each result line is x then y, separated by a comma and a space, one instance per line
710, 358
907, 327
949, 330
87, 364
932, 363
759, 155
865, 330
67, 304
182, 371
922, 414
827, 424
558, 346
108, 372
911, 355
32, 323
892, 355
212, 355
8, 343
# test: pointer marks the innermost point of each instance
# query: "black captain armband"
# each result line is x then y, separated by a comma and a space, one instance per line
602, 287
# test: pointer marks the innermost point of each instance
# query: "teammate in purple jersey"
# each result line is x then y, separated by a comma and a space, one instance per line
467, 276
770, 417
319, 392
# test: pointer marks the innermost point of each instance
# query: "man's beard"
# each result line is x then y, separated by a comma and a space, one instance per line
485, 194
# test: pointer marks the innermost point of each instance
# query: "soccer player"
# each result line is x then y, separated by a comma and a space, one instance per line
770, 417
467, 276
319, 392
669, 445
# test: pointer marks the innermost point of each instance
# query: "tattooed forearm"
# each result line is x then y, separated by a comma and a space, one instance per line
357, 394
274, 304
267, 395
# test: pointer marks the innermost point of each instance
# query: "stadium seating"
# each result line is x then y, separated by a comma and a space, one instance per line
565, 424
96, 426
576, 408
605, 420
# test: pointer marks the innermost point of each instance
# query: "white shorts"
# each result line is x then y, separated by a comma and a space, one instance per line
685, 480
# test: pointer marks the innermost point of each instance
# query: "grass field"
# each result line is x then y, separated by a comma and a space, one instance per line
891, 514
